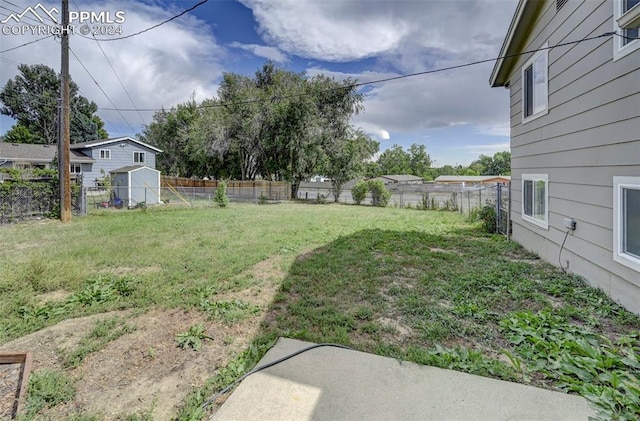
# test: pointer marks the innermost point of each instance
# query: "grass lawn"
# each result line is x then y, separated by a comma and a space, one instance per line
423, 286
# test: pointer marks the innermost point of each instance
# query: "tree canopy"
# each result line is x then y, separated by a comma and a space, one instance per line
31, 98
278, 124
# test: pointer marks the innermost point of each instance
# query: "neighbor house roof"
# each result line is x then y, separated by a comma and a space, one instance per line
520, 26
23, 152
102, 142
401, 177
470, 178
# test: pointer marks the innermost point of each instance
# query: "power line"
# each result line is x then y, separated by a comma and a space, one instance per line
114, 71
360, 84
151, 27
101, 90
25, 44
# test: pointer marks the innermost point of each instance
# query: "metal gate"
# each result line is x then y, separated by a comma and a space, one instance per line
503, 209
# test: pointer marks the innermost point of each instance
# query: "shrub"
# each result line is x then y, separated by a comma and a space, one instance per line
48, 388
379, 194
488, 217
221, 195
359, 192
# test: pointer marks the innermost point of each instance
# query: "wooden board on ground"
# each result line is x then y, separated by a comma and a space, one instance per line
14, 377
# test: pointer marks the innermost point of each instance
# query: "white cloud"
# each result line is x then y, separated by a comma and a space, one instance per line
404, 37
328, 30
264, 51
163, 67
408, 32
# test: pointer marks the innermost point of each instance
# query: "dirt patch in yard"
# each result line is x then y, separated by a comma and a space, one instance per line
144, 371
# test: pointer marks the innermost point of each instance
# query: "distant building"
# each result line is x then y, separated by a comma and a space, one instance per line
400, 179
469, 180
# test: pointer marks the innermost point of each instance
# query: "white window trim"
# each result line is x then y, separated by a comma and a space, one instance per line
537, 177
139, 153
528, 63
619, 49
618, 255
107, 153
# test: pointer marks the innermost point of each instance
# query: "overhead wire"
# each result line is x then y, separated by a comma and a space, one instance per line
100, 87
151, 27
25, 44
372, 82
115, 72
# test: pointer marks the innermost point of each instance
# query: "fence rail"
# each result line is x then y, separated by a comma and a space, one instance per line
423, 196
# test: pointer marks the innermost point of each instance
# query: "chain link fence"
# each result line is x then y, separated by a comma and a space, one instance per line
36, 201
463, 199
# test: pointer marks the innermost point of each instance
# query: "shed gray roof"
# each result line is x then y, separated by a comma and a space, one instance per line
130, 168
102, 142
23, 152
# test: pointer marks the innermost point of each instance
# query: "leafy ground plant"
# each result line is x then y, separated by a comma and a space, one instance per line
605, 371
103, 333
193, 337
47, 388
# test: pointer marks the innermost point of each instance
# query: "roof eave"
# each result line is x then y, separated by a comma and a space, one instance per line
525, 10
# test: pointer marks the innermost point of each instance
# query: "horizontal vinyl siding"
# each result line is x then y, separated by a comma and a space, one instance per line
590, 135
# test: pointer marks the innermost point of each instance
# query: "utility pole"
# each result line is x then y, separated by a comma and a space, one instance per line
63, 138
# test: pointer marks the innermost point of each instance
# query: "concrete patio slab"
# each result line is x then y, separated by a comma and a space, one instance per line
338, 384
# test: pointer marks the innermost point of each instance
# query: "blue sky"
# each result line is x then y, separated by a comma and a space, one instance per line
455, 113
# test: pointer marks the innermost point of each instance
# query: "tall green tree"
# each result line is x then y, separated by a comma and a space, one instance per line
419, 160
31, 98
347, 159
395, 161
499, 164
167, 132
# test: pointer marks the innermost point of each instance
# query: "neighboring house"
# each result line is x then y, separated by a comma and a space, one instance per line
575, 138
400, 179
111, 154
92, 160
472, 179
22, 155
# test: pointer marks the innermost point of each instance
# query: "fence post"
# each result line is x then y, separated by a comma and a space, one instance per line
509, 211
498, 213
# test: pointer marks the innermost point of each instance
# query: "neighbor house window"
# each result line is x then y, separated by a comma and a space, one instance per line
138, 157
535, 199
626, 221
105, 154
535, 101
75, 169
626, 17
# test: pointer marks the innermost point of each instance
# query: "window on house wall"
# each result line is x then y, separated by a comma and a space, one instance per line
626, 14
626, 221
138, 157
75, 169
105, 154
535, 80
535, 198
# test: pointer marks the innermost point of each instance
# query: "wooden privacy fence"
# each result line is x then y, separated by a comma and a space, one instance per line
190, 189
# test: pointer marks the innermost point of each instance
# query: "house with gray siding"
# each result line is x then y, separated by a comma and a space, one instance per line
23, 155
112, 154
575, 138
